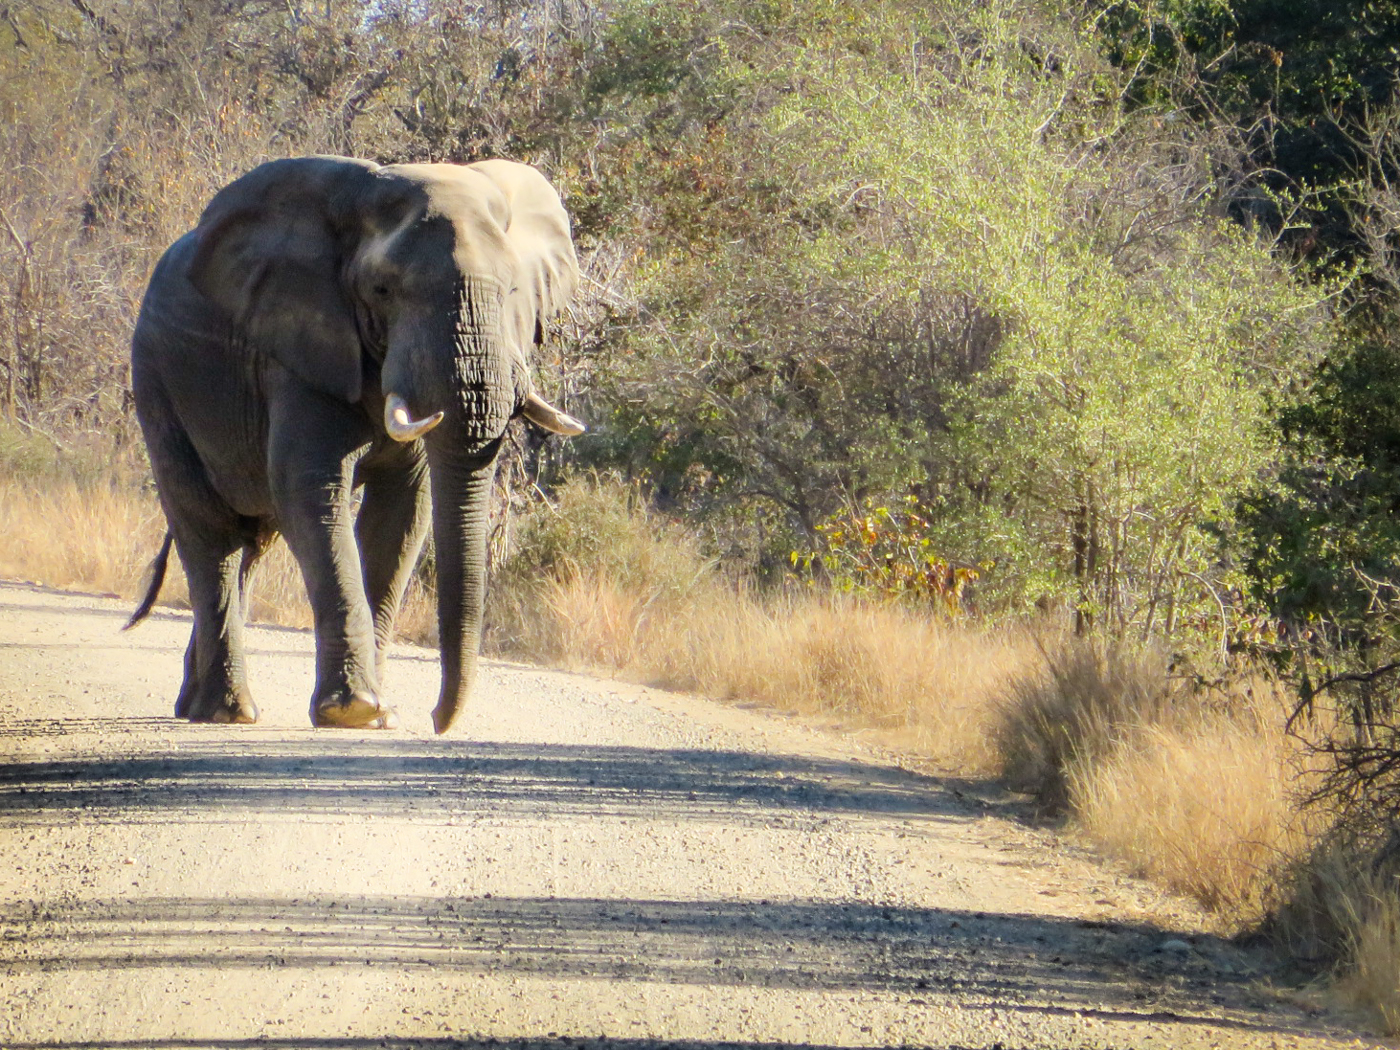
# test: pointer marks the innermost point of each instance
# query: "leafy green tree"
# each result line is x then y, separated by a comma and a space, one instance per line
969, 275
1322, 543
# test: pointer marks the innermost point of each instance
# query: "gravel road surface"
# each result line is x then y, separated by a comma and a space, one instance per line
579, 863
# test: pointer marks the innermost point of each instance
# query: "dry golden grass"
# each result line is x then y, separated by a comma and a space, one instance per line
1192, 790
600, 581
1342, 906
1204, 809
67, 533
1074, 710
869, 665
89, 537
278, 593
1371, 980
930, 682
1368, 904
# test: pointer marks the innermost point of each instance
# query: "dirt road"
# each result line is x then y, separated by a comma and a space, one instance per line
579, 862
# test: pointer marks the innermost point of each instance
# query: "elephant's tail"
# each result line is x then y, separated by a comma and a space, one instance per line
155, 576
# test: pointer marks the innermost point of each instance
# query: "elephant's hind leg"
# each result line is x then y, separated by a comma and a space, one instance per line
209, 538
220, 693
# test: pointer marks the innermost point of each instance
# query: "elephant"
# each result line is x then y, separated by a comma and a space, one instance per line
334, 327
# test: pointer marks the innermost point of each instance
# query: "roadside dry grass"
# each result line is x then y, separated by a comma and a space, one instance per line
600, 581
1076, 713
1203, 807
78, 518
101, 537
67, 533
931, 684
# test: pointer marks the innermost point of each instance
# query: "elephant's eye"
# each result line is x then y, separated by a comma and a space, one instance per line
380, 291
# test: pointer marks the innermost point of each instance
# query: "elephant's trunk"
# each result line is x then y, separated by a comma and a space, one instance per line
477, 404
461, 487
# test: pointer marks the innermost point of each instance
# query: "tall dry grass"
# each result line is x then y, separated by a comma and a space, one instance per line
91, 537
1076, 712
1339, 909
1370, 975
101, 538
600, 581
929, 683
1204, 807
1193, 788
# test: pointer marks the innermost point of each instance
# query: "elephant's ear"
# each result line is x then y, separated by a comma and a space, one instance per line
269, 252
537, 228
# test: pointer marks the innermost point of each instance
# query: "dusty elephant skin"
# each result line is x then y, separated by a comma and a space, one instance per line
585, 863
332, 324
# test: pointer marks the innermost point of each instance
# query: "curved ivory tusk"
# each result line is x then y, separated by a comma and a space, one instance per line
401, 425
540, 412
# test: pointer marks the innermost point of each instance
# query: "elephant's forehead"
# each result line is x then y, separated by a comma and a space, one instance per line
472, 203
456, 192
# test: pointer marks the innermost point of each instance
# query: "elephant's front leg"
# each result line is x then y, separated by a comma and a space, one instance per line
392, 524
311, 475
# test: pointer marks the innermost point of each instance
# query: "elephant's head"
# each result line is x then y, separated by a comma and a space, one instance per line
421, 286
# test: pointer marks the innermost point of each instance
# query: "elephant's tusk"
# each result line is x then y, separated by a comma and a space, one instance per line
540, 412
401, 425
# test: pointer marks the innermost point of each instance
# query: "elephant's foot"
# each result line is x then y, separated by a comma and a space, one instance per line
185, 702
357, 711
236, 708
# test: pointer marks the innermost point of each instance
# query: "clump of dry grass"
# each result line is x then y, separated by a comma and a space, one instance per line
65, 532
868, 664
1340, 907
1204, 808
585, 570
1074, 711
1192, 790
68, 534
1370, 976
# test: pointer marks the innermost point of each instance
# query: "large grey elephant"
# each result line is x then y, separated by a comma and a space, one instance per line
333, 325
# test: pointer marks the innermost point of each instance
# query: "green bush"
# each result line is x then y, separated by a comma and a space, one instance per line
969, 275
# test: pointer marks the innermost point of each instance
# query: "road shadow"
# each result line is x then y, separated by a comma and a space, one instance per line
1032, 964
440, 779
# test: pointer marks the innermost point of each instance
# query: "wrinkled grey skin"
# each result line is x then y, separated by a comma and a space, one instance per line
268, 341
